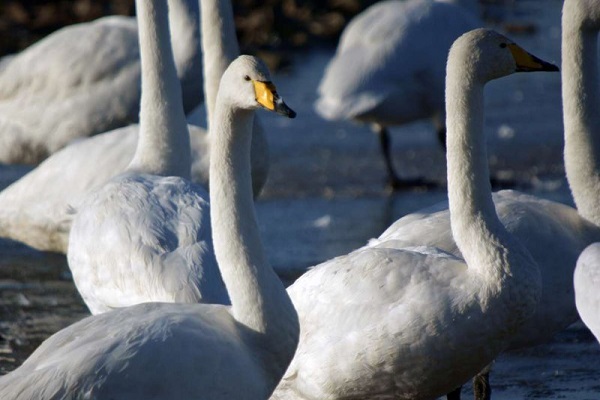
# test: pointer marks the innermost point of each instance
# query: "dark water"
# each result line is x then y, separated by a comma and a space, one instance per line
325, 196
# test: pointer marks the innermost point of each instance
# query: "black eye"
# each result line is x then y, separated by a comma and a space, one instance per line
247, 78
502, 45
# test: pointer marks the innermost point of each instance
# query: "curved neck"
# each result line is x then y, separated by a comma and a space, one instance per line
581, 109
475, 225
219, 47
258, 298
184, 24
163, 144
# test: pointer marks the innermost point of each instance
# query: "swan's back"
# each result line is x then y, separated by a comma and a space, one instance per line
90, 53
552, 232
69, 85
80, 81
587, 288
35, 209
153, 243
390, 63
150, 351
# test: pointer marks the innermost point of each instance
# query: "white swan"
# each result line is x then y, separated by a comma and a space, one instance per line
182, 351
83, 80
581, 98
388, 321
586, 280
555, 234
389, 67
34, 210
145, 235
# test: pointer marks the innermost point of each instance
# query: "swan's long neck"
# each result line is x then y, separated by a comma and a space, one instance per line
184, 24
489, 250
257, 295
164, 144
220, 47
581, 109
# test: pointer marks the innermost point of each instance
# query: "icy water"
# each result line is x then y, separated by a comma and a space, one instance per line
325, 197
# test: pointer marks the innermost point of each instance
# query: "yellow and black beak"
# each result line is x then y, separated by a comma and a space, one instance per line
527, 62
266, 96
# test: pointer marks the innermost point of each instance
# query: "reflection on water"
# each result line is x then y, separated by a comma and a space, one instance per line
325, 197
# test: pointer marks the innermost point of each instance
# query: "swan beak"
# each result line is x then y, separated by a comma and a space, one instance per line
527, 62
266, 96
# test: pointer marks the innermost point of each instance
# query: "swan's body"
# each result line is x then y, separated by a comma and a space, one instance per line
587, 288
389, 65
554, 234
34, 210
165, 351
84, 80
394, 321
144, 238
145, 235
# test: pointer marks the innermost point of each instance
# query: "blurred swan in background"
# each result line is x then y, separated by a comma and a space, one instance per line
555, 234
165, 351
34, 210
389, 68
85, 79
396, 321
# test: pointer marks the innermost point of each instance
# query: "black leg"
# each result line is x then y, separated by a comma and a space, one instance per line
455, 394
441, 135
386, 149
394, 182
481, 386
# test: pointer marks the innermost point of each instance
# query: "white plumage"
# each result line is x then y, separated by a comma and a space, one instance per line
581, 99
389, 67
145, 235
83, 80
34, 210
145, 238
163, 350
554, 234
392, 320
587, 288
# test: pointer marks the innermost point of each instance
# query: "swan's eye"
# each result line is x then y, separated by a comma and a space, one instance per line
247, 77
502, 45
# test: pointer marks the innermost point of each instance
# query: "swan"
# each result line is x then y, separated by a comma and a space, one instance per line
555, 234
586, 280
85, 79
145, 235
157, 351
414, 322
35, 209
389, 68
581, 97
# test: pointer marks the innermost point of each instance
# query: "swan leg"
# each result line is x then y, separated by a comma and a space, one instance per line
384, 141
455, 394
481, 386
441, 135
394, 182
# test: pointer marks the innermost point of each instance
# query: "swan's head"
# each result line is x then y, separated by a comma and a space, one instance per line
485, 55
581, 14
247, 85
